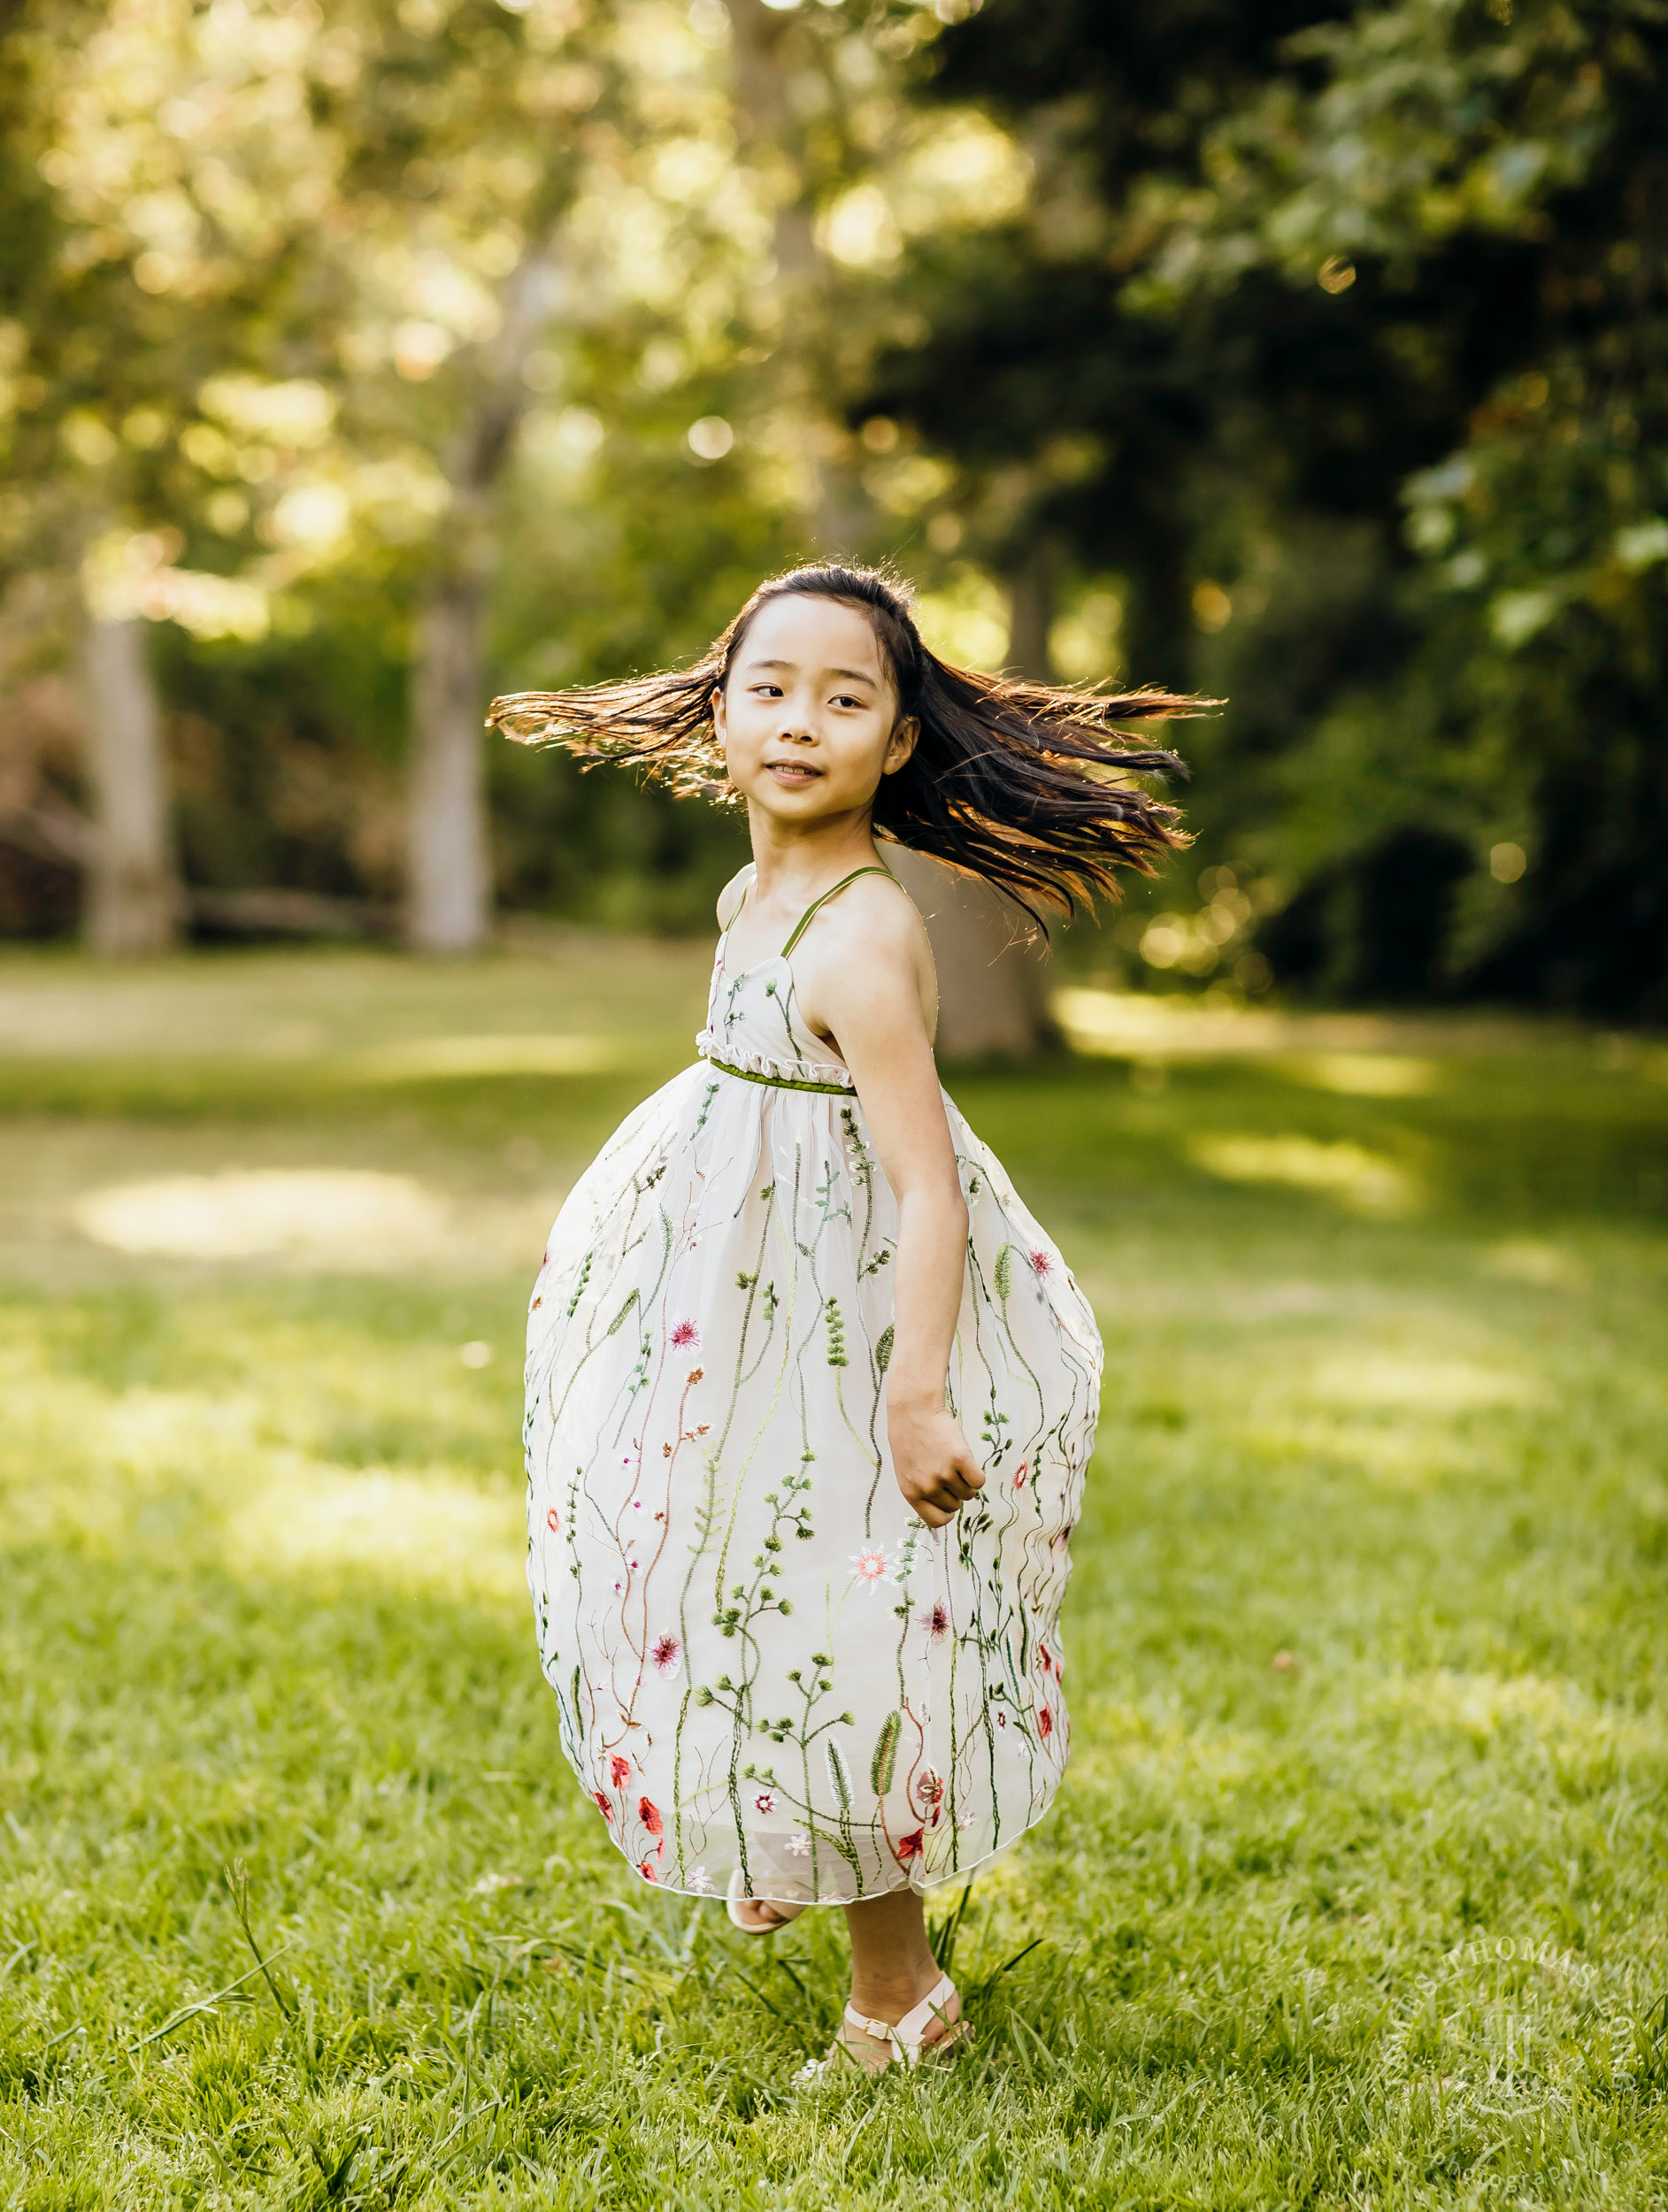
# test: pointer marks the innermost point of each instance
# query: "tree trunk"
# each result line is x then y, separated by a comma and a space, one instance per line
1031, 596
993, 975
449, 880
449, 871
134, 902
993, 984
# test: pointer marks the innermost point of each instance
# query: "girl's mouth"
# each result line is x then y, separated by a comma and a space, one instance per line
792, 771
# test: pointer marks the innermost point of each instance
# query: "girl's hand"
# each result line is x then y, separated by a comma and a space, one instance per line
935, 1470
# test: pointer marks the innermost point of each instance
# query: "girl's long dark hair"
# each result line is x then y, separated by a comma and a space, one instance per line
1025, 784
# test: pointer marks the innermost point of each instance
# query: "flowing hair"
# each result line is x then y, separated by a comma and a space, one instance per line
1025, 784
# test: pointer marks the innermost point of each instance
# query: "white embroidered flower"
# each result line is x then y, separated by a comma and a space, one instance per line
701, 1882
799, 1843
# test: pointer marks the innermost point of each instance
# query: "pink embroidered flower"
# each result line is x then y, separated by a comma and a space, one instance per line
553, 1519
908, 1846
649, 1813
930, 1788
701, 1882
799, 1843
684, 1337
606, 1809
667, 1656
619, 1771
1041, 1263
1045, 1723
766, 1801
871, 1564
936, 1622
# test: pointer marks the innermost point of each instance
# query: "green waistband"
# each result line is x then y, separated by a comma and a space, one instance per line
782, 1082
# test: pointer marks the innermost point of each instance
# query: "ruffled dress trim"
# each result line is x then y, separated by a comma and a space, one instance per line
759, 1067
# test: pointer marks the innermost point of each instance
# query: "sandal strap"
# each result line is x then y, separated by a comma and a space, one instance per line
905, 2035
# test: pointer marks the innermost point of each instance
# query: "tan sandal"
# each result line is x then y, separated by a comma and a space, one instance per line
740, 1896
905, 2038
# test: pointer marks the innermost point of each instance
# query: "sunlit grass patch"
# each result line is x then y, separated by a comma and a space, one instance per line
1369, 1182
1353, 1895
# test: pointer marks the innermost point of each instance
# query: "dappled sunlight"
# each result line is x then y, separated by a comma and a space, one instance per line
418, 1531
1413, 1385
433, 1059
1363, 1074
350, 1218
1364, 1182
1557, 1715
1533, 1260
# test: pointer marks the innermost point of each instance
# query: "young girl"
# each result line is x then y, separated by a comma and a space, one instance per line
810, 1393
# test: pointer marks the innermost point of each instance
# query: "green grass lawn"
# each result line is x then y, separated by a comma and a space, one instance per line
1355, 1894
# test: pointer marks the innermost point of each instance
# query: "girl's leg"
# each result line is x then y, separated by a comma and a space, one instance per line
892, 1969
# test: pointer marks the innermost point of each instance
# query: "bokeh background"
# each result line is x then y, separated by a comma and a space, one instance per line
354, 366
358, 361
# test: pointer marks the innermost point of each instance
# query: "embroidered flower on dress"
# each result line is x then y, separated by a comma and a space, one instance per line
766, 1801
649, 1813
701, 1882
909, 1848
606, 1809
799, 1843
553, 1519
1041, 1263
667, 1656
685, 1336
619, 1771
1023, 1476
1045, 1723
648, 1872
871, 1564
936, 1622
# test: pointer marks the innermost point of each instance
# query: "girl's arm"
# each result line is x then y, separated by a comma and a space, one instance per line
862, 985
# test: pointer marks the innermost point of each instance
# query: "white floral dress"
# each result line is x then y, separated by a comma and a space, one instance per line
762, 1660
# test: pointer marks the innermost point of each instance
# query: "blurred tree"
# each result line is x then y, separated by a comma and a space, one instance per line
1357, 325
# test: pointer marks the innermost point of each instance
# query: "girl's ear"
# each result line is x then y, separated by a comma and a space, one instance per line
717, 713
901, 745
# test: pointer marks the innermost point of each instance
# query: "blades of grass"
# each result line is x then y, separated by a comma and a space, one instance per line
984, 1987
237, 1881
207, 2004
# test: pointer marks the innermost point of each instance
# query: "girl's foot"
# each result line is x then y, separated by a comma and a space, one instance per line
930, 2030
756, 1915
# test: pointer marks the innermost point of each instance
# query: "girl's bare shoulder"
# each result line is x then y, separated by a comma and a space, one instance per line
871, 927
730, 897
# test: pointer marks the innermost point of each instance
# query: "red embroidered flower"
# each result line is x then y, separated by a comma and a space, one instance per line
908, 1846
1041, 1264
1045, 1721
649, 1813
648, 1872
553, 1518
606, 1809
620, 1770
936, 1622
685, 1337
666, 1656
1042, 1654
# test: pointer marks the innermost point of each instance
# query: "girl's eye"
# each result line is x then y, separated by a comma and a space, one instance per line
846, 700
765, 691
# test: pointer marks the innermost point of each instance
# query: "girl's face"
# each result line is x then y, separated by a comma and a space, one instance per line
808, 717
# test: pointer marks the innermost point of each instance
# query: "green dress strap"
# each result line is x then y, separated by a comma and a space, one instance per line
872, 868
